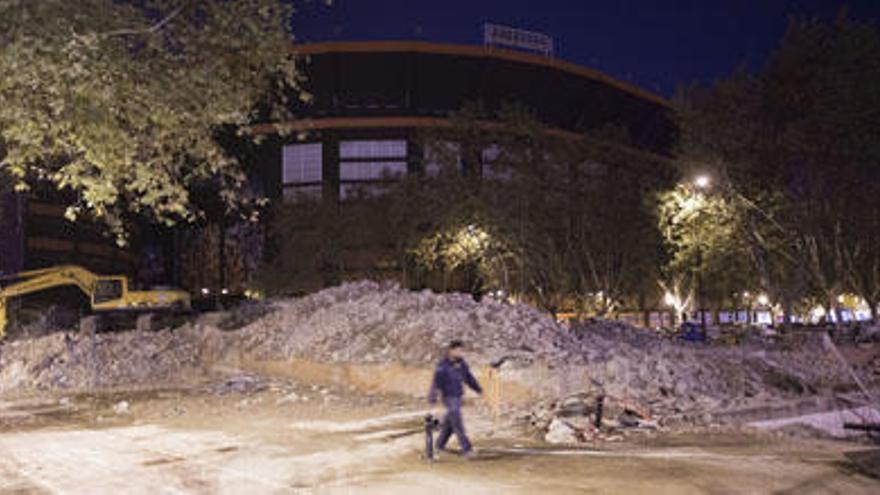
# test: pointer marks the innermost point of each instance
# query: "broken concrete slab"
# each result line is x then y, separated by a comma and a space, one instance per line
830, 422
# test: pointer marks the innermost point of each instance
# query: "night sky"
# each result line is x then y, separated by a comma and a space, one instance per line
656, 44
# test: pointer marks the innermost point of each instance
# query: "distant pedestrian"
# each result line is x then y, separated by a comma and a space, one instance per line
449, 379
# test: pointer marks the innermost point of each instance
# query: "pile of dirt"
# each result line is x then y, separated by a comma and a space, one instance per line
673, 377
112, 360
367, 322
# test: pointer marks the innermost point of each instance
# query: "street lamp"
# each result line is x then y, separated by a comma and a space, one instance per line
702, 181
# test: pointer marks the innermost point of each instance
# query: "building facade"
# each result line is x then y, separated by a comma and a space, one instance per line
371, 101
35, 234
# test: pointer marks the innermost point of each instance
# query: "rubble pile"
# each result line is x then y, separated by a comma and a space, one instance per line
672, 377
368, 322
644, 377
587, 418
108, 360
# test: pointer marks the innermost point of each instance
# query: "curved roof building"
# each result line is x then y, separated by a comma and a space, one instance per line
369, 98
372, 102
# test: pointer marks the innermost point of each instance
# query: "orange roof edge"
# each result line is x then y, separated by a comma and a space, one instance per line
475, 51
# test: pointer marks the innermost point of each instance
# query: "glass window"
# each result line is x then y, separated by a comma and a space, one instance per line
302, 163
491, 154
373, 149
107, 290
370, 170
493, 169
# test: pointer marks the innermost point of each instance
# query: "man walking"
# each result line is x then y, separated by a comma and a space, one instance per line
449, 379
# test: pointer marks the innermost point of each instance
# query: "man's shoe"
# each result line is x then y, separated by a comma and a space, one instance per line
438, 451
469, 455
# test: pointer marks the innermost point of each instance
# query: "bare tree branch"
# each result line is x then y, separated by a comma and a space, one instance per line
150, 30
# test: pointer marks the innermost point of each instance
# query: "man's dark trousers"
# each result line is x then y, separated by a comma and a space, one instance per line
453, 423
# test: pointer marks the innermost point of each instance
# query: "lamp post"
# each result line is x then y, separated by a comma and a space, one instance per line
701, 183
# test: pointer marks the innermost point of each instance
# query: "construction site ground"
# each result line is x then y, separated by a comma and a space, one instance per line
244, 433
326, 394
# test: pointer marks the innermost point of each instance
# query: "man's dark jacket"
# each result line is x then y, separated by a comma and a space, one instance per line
449, 378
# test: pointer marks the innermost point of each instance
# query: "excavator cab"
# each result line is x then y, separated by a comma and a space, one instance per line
107, 290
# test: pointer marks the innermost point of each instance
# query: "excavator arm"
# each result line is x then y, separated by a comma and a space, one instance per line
39, 280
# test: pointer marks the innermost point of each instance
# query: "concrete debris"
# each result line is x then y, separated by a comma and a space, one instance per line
107, 360
831, 423
588, 422
660, 381
677, 382
367, 322
560, 432
121, 407
288, 399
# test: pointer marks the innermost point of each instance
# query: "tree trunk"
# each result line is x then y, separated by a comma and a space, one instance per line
872, 308
786, 314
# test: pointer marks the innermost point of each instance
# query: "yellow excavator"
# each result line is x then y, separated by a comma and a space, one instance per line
106, 294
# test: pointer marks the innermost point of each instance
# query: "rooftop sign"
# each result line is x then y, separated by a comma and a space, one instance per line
504, 36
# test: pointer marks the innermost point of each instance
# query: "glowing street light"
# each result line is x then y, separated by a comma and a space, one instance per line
702, 181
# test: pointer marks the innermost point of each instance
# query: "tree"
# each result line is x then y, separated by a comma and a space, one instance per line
304, 245
795, 142
567, 215
501, 204
121, 102
702, 234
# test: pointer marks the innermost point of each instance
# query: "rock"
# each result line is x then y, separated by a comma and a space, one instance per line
628, 420
560, 433
576, 406
121, 407
870, 334
580, 423
289, 398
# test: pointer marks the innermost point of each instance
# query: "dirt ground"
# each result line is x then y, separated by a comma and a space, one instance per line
283, 436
